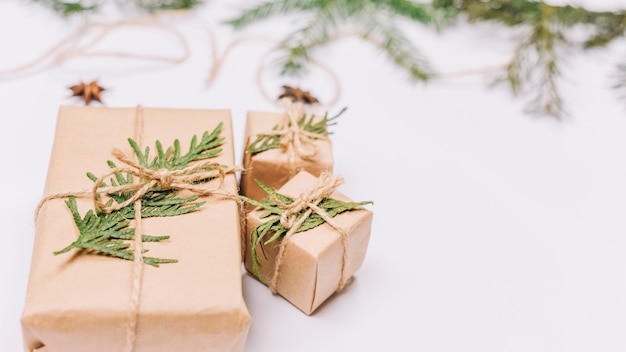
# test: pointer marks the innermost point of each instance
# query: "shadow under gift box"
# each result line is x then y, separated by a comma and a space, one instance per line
273, 167
312, 260
82, 302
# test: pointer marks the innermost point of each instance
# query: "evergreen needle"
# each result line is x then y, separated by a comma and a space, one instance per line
535, 67
271, 230
265, 142
374, 19
108, 233
72, 7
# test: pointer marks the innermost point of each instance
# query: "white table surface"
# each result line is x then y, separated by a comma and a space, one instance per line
493, 230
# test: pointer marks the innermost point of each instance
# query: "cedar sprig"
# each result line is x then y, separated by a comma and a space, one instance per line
164, 202
107, 234
68, 8
155, 203
171, 159
374, 20
158, 5
620, 81
535, 67
265, 142
272, 229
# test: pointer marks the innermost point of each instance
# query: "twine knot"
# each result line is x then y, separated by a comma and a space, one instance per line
295, 141
308, 202
188, 178
165, 178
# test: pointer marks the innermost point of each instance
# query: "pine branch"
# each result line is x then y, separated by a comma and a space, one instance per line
154, 203
374, 19
268, 9
411, 10
158, 5
620, 80
535, 66
273, 229
399, 49
265, 142
73, 7
171, 159
69, 8
106, 234
609, 26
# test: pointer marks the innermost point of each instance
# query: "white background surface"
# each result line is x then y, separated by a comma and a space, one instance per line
493, 230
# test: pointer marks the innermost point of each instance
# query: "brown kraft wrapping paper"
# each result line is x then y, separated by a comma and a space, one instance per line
83, 302
311, 269
273, 167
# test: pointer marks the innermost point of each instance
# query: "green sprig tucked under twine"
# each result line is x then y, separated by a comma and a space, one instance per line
110, 233
107, 234
273, 228
265, 142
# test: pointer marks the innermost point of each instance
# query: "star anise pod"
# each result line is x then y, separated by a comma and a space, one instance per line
88, 92
298, 95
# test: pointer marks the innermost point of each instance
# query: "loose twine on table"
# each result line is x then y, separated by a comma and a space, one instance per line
308, 202
66, 49
63, 51
146, 180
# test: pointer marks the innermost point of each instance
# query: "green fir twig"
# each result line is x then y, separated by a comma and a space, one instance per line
265, 142
107, 233
74, 7
535, 67
620, 80
374, 20
272, 229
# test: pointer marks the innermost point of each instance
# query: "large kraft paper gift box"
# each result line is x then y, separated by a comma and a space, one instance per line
80, 301
315, 263
307, 149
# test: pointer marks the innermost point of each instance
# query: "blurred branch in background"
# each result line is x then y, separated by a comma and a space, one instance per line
72, 7
534, 72
372, 20
535, 66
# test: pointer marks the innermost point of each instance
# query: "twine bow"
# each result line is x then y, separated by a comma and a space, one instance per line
162, 179
295, 141
308, 202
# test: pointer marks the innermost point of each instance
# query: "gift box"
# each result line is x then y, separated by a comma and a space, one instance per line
191, 300
278, 145
314, 261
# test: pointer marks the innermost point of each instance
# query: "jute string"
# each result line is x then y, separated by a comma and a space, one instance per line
65, 50
144, 181
131, 330
308, 201
295, 141
69, 48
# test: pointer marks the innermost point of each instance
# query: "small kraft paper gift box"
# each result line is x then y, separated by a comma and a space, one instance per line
278, 145
306, 240
141, 253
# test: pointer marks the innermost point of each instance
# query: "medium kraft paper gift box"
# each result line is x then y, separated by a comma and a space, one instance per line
312, 262
276, 166
79, 301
